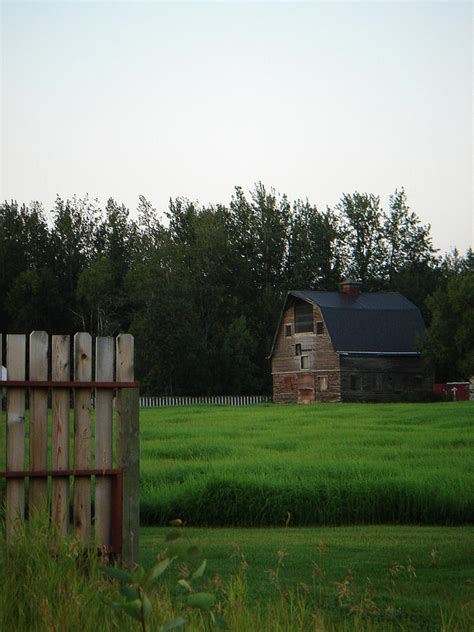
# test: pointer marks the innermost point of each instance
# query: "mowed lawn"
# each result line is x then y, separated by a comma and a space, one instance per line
329, 464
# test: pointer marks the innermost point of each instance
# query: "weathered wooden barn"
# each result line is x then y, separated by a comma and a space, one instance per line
349, 346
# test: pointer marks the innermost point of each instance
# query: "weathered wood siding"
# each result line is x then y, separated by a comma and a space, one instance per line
291, 383
383, 379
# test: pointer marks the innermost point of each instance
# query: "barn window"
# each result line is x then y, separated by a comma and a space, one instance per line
323, 382
303, 318
298, 350
319, 327
287, 330
305, 362
355, 383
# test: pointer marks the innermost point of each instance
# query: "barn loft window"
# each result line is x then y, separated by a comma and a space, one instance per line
305, 362
303, 318
355, 383
323, 382
287, 331
319, 327
298, 350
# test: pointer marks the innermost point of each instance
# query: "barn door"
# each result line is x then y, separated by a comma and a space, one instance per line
305, 387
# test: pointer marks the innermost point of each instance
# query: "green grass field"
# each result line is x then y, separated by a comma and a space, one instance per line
394, 474
412, 577
334, 464
328, 464
324, 579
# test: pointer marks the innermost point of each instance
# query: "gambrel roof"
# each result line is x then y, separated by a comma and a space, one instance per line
372, 323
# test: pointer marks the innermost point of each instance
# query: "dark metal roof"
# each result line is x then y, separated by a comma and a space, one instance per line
364, 301
382, 323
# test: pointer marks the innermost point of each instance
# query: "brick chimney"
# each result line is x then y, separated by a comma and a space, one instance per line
351, 287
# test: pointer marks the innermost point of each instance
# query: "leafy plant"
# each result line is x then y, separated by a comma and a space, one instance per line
134, 586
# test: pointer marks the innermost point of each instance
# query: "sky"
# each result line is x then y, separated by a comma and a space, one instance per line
314, 99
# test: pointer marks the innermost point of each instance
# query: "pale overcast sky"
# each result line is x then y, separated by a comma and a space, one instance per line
314, 99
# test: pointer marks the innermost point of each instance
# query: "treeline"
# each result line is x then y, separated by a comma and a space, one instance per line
203, 289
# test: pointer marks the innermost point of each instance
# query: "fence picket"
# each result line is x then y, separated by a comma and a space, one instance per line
60, 371
1, 393
16, 347
128, 448
211, 400
82, 432
104, 372
38, 488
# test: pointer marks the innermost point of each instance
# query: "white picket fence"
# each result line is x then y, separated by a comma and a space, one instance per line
216, 400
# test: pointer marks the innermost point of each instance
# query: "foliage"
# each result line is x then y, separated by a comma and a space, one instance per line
202, 286
46, 581
277, 580
362, 235
408, 242
449, 340
135, 586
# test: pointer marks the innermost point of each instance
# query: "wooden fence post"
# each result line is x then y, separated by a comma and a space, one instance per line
1, 400
104, 372
38, 419
60, 372
82, 433
16, 347
128, 449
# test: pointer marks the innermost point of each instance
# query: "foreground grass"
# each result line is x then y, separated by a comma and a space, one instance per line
49, 584
414, 576
334, 464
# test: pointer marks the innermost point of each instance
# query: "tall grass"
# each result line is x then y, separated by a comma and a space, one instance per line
326, 464
49, 584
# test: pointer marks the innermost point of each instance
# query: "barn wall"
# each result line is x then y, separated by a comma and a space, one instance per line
290, 382
383, 379
291, 388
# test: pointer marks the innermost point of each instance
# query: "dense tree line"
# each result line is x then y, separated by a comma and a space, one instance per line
202, 288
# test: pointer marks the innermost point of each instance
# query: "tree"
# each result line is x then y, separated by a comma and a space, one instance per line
417, 282
408, 243
150, 230
118, 236
34, 302
99, 300
25, 246
168, 345
240, 372
449, 341
313, 259
258, 232
203, 294
75, 243
361, 235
